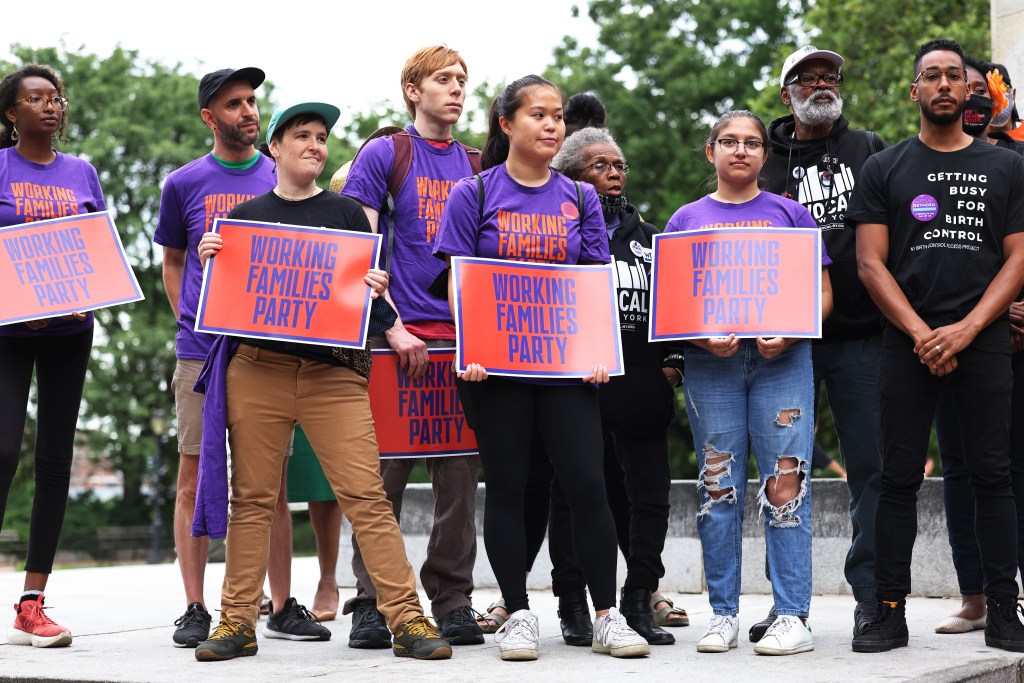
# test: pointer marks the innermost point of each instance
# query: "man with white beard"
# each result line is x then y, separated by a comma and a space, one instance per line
815, 159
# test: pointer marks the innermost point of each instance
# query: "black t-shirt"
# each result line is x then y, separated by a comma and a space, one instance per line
947, 214
326, 210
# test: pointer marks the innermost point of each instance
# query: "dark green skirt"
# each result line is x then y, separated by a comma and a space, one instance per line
306, 480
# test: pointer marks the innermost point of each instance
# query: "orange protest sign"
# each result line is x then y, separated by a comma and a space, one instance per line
535, 319
416, 418
63, 265
288, 282
743, 281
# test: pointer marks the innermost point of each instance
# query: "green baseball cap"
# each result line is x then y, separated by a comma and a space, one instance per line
328, 112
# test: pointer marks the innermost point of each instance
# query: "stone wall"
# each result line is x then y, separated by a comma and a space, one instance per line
932, 568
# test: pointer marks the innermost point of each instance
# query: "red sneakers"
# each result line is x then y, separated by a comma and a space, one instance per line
33, 627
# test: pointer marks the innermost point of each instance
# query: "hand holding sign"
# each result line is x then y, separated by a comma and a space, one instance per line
748, 282
288, 282
62, 267
535, 320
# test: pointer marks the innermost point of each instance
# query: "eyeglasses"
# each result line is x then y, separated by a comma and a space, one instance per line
809, 80
39, 103
934, 76
604, 167
729, 145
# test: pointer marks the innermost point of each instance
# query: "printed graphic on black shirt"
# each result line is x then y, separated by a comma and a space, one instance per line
825, 190
960, 228
632, 286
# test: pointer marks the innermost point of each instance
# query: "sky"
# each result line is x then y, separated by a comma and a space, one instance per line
349, 53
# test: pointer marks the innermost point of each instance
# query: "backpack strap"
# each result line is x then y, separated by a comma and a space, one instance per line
873, 142
399, 172
479, 195
474, 156
579, 200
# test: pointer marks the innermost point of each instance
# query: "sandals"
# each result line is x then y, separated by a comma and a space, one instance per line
266, 607
484, 621
668, 616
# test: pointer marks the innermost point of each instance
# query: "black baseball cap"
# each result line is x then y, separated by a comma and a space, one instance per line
211, 82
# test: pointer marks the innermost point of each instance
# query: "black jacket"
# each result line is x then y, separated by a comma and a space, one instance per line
641, 400
821, 174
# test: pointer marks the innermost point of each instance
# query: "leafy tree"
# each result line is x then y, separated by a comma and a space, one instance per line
665, 69
136, 121
880, 53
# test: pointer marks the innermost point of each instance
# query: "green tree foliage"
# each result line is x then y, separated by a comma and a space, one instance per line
135, 121
879, 45
665, 69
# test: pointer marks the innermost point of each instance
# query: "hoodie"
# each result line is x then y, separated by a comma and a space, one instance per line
821, 175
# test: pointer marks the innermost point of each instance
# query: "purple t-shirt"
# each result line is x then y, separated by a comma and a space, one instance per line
520, 223
419, 207
66, 186
540, 224
193, 196
766, 210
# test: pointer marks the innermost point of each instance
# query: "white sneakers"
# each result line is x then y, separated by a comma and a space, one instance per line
721, 634
518, 637
787, 636
612, 635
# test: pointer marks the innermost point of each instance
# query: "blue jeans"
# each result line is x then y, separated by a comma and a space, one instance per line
735, 402
850, 372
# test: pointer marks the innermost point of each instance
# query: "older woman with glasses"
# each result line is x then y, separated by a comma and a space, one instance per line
34, 106
636, 408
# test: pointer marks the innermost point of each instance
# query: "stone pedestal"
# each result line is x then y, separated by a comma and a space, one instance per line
1007, 45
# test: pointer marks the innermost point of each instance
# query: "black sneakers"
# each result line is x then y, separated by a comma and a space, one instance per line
459, 627
887, 631
193, 626
863, 614
758, 630
1004, 629
368, 628
294, 622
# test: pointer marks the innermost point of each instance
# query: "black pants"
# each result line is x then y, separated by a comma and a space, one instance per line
981, 387
60, 362
638, 483
567, 418
957, 494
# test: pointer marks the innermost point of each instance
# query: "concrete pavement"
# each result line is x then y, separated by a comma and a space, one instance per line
122, 621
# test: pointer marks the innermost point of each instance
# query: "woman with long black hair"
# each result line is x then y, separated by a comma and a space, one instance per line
526, 131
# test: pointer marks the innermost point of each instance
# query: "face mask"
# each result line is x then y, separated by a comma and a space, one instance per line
1003, 117
611, 206
977, 115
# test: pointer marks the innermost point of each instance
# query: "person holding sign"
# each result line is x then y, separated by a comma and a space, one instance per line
270, 386
192, 198
434, 88
520, 189
636, 408
940, 248
759, 391
39, 183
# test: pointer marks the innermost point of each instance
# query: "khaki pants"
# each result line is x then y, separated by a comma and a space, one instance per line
267, 394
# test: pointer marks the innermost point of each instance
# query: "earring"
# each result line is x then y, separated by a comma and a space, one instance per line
14, 133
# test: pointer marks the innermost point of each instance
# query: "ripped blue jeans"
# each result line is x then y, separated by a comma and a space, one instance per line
734, 403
